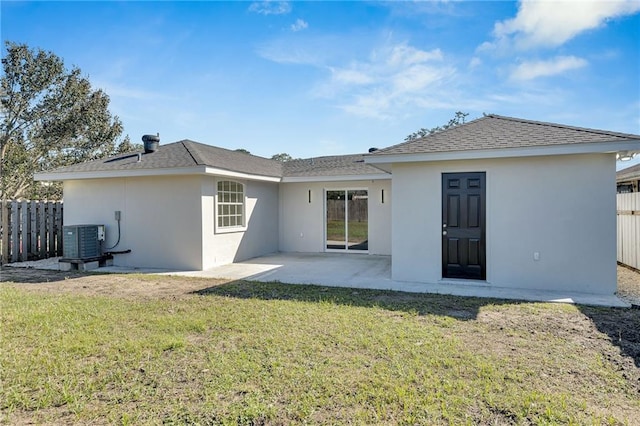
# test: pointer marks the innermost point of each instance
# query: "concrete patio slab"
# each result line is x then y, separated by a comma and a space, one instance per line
374, 272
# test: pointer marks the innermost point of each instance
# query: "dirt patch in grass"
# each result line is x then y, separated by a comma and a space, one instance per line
629, 285
128, 286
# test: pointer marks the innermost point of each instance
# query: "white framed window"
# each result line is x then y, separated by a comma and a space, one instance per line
230, 206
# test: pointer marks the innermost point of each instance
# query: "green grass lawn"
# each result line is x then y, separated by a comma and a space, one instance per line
358, 231
254, 353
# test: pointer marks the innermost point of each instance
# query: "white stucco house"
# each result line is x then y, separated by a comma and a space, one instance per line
500, 200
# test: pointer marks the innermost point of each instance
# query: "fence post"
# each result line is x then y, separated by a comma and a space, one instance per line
42, 220
4, 217
25, 239
58, 228
51, 223
15, 231
33, 229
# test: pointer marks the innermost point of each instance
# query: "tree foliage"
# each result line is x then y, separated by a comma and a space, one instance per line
458, 119
50, 117
283, 156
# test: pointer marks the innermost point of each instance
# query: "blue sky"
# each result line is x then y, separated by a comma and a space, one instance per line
324, 78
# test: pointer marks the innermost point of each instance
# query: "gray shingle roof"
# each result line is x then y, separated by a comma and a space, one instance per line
632, 172
498, 132
184, 153
233, 160
490, 132
339, 165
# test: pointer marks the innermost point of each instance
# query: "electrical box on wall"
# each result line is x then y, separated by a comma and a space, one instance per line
82, 241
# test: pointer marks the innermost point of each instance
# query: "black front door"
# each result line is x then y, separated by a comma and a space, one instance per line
463, 222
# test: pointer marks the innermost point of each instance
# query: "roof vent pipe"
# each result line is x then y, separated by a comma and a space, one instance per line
151, 143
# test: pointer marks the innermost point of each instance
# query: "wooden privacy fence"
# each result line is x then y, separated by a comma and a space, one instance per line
628, 218
30, 230
358, 210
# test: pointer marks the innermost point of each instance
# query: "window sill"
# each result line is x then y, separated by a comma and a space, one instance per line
230, 230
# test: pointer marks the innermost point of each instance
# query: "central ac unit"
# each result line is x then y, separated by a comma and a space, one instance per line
82, 241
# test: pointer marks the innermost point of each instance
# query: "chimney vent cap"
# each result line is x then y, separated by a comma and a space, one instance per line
151, 143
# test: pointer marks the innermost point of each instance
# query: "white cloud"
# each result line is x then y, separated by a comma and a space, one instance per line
417, 78
395, 77
318, 51
372, 105
351, 76
392, 81
406, 55
270, 7
299, 25
543, 23
522, 99
533, 69
292, 55
475, 62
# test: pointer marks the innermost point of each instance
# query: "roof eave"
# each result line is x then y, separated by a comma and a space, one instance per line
173, 171
565, 149
297, 179
99, 174
628, 176
240, 175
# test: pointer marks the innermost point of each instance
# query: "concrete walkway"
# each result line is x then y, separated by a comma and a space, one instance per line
374, 272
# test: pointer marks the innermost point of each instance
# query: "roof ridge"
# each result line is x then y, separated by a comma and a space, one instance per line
563, 126
184, 144
438, 132
231, 151
200, 152
328, 156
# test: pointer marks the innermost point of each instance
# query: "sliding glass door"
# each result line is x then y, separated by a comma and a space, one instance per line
346, 220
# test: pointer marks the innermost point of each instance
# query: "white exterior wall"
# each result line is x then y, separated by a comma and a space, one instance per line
258, 238
562, 207
302, 223
168, 222
160, 218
